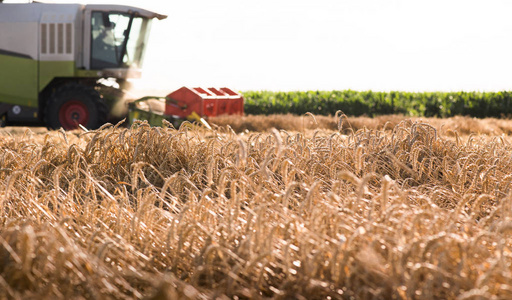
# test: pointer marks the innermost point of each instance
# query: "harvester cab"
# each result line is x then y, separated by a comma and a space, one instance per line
53, 58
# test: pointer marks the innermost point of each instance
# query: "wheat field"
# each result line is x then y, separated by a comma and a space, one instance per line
403, 209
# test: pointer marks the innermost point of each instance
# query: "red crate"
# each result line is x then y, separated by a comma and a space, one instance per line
207, 102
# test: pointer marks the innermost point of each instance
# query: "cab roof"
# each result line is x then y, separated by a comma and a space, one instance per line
126, 9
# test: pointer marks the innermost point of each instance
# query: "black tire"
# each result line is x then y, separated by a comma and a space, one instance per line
74, 104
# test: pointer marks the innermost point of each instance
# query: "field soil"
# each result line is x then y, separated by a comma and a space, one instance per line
280, 207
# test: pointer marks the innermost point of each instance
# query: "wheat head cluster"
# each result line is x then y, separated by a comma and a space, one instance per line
189, 213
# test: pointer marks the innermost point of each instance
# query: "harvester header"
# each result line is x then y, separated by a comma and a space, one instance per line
187, 103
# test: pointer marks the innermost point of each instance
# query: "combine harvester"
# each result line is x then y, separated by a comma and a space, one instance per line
66, 65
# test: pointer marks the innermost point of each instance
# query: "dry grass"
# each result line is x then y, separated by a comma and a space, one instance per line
159, 213
461, 125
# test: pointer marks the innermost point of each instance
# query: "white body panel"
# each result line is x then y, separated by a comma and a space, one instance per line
60, 33
41, 31
10, 39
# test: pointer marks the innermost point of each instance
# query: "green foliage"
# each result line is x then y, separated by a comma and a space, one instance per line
370, 103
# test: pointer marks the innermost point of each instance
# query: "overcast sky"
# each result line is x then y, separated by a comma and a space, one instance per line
414, 45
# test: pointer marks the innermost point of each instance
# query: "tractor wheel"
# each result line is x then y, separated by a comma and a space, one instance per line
74, 104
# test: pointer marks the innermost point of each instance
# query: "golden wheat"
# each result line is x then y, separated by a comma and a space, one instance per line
410, 211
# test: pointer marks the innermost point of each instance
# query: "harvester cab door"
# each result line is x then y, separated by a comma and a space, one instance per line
109, 32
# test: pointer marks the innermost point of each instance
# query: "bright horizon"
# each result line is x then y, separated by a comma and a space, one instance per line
381, 45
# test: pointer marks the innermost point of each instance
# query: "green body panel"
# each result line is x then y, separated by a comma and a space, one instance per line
48, 70
18, 80
22, 79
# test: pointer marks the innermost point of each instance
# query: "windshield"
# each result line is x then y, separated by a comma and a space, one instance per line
117, 40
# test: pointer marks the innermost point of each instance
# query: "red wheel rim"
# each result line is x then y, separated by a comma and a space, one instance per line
73, 113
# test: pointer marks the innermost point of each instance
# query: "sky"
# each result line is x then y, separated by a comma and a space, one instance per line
285, 45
